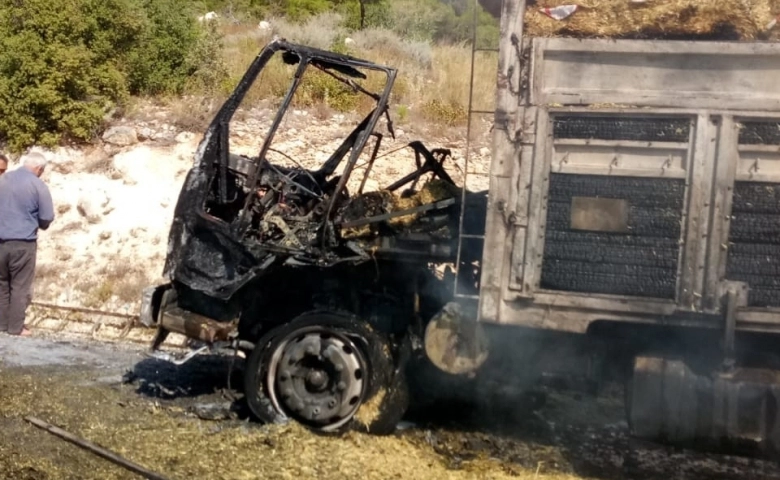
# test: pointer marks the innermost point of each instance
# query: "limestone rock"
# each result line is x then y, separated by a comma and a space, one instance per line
121, 136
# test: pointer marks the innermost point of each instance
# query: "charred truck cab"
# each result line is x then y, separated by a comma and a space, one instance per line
326, 290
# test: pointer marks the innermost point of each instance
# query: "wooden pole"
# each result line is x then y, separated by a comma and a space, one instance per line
99, 451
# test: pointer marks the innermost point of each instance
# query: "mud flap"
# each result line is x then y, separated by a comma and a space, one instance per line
454, 343
151, 304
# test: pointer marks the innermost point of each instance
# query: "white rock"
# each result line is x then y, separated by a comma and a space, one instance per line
121, 136
348, 41
88, 209
163, 136
208, 17
93, 204
145, 133
265, 26
185, 137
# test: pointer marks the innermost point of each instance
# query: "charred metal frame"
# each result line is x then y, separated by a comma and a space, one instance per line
212, 160
306, 56
244, 226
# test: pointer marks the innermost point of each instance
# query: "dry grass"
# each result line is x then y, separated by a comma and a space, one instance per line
100, 164
432, 83
47, 273
715, 19
113, 281
167, 440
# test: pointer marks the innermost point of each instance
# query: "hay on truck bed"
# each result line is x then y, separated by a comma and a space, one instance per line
654, 19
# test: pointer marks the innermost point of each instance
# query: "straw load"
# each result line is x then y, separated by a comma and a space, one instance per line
382, 202
650, 19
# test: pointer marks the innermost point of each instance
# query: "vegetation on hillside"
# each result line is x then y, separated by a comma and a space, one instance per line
66, 66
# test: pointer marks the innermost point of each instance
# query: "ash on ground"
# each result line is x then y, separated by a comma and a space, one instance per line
187, 422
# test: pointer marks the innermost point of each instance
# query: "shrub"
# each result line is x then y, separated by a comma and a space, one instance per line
402, 113
318, 87
301, 9
443, 21
454, 28
392, 45
444, 113
416, 19
377, 14
169, 50
207, 62
56, 72
65, 64
318, 32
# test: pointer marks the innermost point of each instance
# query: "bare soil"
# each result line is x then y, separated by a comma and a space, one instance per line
187, 422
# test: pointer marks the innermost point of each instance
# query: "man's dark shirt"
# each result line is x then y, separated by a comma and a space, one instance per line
25, 205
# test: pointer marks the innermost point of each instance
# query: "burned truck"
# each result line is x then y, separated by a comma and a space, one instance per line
629, 232
326, 290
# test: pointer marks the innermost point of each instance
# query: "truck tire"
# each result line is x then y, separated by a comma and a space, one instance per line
328, 371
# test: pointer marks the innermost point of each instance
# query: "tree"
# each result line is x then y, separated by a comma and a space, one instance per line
65, 64
363, 11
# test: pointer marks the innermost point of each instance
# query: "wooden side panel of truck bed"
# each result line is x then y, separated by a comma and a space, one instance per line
638, 181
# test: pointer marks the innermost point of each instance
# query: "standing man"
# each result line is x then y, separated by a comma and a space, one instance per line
25, 206
3, 163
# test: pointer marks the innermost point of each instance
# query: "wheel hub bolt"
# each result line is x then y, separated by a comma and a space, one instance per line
317, 378
341, 386
331, 403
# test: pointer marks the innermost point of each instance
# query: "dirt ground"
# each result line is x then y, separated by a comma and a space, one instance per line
184, 422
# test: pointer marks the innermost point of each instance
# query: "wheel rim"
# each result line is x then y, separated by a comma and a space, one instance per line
317, 377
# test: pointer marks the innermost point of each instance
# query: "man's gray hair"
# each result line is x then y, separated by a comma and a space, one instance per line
34, 160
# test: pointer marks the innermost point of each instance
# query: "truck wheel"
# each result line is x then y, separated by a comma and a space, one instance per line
327, 371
